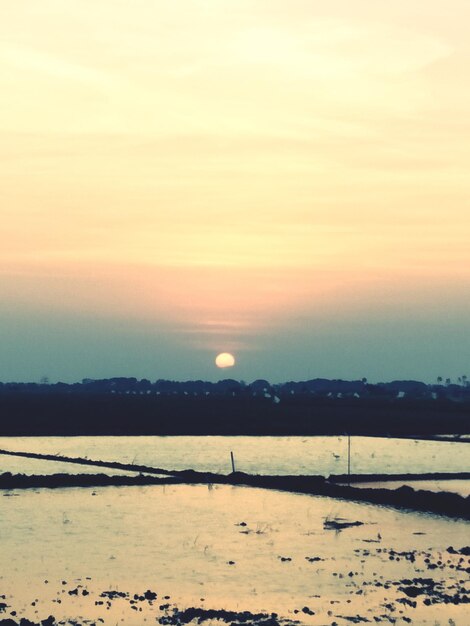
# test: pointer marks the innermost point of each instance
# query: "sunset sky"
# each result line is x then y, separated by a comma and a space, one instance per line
286, 181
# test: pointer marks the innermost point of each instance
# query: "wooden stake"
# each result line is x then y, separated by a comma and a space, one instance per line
233, 462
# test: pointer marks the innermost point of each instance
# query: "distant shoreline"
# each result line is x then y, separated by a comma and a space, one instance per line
41, 413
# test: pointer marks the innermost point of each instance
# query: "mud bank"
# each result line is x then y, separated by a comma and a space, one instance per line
21, 481
372, 478
444, 503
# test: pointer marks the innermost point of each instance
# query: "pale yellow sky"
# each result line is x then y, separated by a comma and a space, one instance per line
225, 161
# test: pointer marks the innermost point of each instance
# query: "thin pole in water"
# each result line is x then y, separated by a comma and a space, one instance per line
349, 460
233, 462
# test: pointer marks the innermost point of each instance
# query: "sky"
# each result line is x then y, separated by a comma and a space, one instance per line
285, 181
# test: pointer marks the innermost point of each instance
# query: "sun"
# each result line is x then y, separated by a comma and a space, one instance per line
225, 359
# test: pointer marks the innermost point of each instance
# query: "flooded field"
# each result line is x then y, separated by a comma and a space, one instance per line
229, 548
259, 455
133, 555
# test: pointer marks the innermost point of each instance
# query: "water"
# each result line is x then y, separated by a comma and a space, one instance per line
254, 455
219, 547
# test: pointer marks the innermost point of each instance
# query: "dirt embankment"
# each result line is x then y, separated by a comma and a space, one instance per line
448, 504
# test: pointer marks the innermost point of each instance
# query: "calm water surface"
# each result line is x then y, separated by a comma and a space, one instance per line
255, 455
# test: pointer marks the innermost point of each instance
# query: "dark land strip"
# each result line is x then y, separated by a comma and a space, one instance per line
55, 412
379, 478
53, 481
